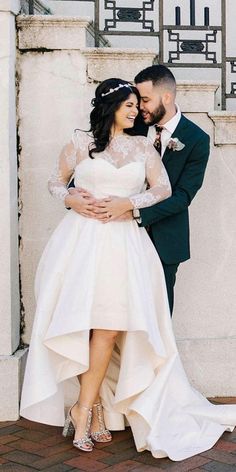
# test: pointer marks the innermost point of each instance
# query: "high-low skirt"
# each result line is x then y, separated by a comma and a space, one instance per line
109, 276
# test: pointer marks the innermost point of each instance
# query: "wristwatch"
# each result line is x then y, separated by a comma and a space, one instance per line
136, 215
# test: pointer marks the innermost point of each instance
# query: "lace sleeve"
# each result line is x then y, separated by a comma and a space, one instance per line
157, 178
57, 183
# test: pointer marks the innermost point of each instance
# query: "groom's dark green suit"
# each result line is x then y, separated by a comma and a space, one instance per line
169, 219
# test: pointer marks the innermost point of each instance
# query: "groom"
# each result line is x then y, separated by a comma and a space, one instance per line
184, 148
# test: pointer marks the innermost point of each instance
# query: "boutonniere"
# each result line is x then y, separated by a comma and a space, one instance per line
175, 144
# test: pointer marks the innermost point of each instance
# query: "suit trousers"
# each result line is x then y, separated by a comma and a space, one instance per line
170, 271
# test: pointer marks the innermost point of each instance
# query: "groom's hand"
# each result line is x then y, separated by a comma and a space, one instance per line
81, 191
81, 201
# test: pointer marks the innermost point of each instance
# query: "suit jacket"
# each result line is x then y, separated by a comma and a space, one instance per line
169, 219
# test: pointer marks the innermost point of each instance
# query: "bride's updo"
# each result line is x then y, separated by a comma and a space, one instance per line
109, 96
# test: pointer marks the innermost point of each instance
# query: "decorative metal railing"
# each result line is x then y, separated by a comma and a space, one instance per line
177, 44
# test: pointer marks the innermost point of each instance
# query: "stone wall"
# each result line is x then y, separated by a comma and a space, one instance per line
204, 318
56, 87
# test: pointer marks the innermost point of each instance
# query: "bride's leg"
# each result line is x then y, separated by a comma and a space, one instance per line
101, 347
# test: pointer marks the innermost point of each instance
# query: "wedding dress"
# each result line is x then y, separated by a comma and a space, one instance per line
109, 276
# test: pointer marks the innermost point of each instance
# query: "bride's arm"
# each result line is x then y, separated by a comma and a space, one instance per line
57, 183
158, 180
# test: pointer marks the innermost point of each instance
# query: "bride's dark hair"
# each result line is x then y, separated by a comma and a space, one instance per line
106, 102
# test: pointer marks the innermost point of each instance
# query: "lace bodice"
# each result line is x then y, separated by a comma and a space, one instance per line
121, 151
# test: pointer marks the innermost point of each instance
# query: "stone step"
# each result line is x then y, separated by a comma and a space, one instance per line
224, 127
125, 63
11, 374
55, 33
197, 97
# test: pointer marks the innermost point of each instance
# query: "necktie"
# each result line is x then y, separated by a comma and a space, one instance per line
157, 142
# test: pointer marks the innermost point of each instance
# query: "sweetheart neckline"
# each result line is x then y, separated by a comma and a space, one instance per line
107, 162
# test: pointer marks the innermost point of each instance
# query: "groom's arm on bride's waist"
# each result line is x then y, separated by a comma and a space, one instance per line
71, 184
185, 188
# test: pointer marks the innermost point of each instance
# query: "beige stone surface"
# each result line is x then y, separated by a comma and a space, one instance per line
114, 62
205, 291
197, 97
205, 297
210, 364
11, 376
54, 32
224, 127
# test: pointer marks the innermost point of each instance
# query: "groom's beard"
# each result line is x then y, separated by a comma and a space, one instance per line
157, 115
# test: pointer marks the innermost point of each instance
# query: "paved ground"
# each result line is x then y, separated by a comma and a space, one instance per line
27, 446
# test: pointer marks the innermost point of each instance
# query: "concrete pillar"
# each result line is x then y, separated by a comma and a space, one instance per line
10, 358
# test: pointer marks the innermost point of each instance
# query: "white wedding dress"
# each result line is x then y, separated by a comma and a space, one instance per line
109, 276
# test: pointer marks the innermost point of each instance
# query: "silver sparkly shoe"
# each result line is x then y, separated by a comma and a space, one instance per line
84, 443
103, 435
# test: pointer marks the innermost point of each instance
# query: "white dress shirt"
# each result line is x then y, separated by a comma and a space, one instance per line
168, 129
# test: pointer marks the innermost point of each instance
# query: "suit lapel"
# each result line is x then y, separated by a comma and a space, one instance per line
142, 129
179, 133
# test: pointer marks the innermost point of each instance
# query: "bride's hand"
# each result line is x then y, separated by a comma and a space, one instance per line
111, 208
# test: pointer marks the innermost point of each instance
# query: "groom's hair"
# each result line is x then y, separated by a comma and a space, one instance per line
158, 74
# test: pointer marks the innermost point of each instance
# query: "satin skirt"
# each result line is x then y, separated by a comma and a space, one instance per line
109, 276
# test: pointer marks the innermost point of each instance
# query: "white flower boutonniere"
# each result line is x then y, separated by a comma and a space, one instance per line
175, 144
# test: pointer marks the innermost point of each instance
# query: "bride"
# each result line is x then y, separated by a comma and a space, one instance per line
102, 337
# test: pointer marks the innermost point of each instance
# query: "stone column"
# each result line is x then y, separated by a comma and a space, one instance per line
10, 358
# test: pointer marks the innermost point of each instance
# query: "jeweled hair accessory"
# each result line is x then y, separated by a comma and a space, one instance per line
111, 90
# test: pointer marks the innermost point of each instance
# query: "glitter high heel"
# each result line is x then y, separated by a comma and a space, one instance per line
84, 443
103, 435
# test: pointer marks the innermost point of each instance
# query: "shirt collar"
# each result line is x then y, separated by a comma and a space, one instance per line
173, 122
